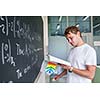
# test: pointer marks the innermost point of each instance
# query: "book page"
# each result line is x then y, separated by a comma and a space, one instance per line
58, 60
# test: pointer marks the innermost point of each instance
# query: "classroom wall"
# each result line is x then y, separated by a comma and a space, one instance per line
97, 75
59, 47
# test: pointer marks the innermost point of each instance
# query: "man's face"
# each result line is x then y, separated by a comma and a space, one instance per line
73, 39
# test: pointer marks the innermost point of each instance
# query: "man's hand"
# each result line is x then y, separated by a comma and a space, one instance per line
56, 77
60, 75
65, 66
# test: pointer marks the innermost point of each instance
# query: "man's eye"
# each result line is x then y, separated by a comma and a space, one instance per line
69, 40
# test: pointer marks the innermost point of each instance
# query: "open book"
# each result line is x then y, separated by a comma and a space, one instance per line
52, 64
58, 60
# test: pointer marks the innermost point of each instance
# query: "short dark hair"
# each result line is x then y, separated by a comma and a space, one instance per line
72, 29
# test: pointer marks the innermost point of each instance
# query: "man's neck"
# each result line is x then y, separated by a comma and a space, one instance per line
80, 43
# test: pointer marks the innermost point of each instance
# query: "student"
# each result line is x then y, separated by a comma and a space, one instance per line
82, 58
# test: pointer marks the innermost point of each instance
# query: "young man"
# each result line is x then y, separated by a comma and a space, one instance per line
82, 58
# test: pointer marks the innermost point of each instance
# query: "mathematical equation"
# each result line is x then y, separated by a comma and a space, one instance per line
19, 31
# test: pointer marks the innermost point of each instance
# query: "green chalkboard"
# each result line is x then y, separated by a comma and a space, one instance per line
21, 48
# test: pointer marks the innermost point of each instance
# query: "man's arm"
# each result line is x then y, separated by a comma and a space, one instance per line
60, 75
89, 72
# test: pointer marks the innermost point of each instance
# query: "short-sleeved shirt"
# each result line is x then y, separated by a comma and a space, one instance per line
79, 57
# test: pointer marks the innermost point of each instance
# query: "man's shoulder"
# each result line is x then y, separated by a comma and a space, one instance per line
90, 48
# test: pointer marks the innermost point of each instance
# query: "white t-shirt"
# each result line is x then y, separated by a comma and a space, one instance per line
79, 57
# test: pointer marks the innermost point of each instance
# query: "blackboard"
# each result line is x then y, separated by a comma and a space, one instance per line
21, 48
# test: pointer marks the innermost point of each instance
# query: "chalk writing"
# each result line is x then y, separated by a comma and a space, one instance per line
10, 82
3, 28
21, 48
19, 73
19, 51
6, 53
27, 69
